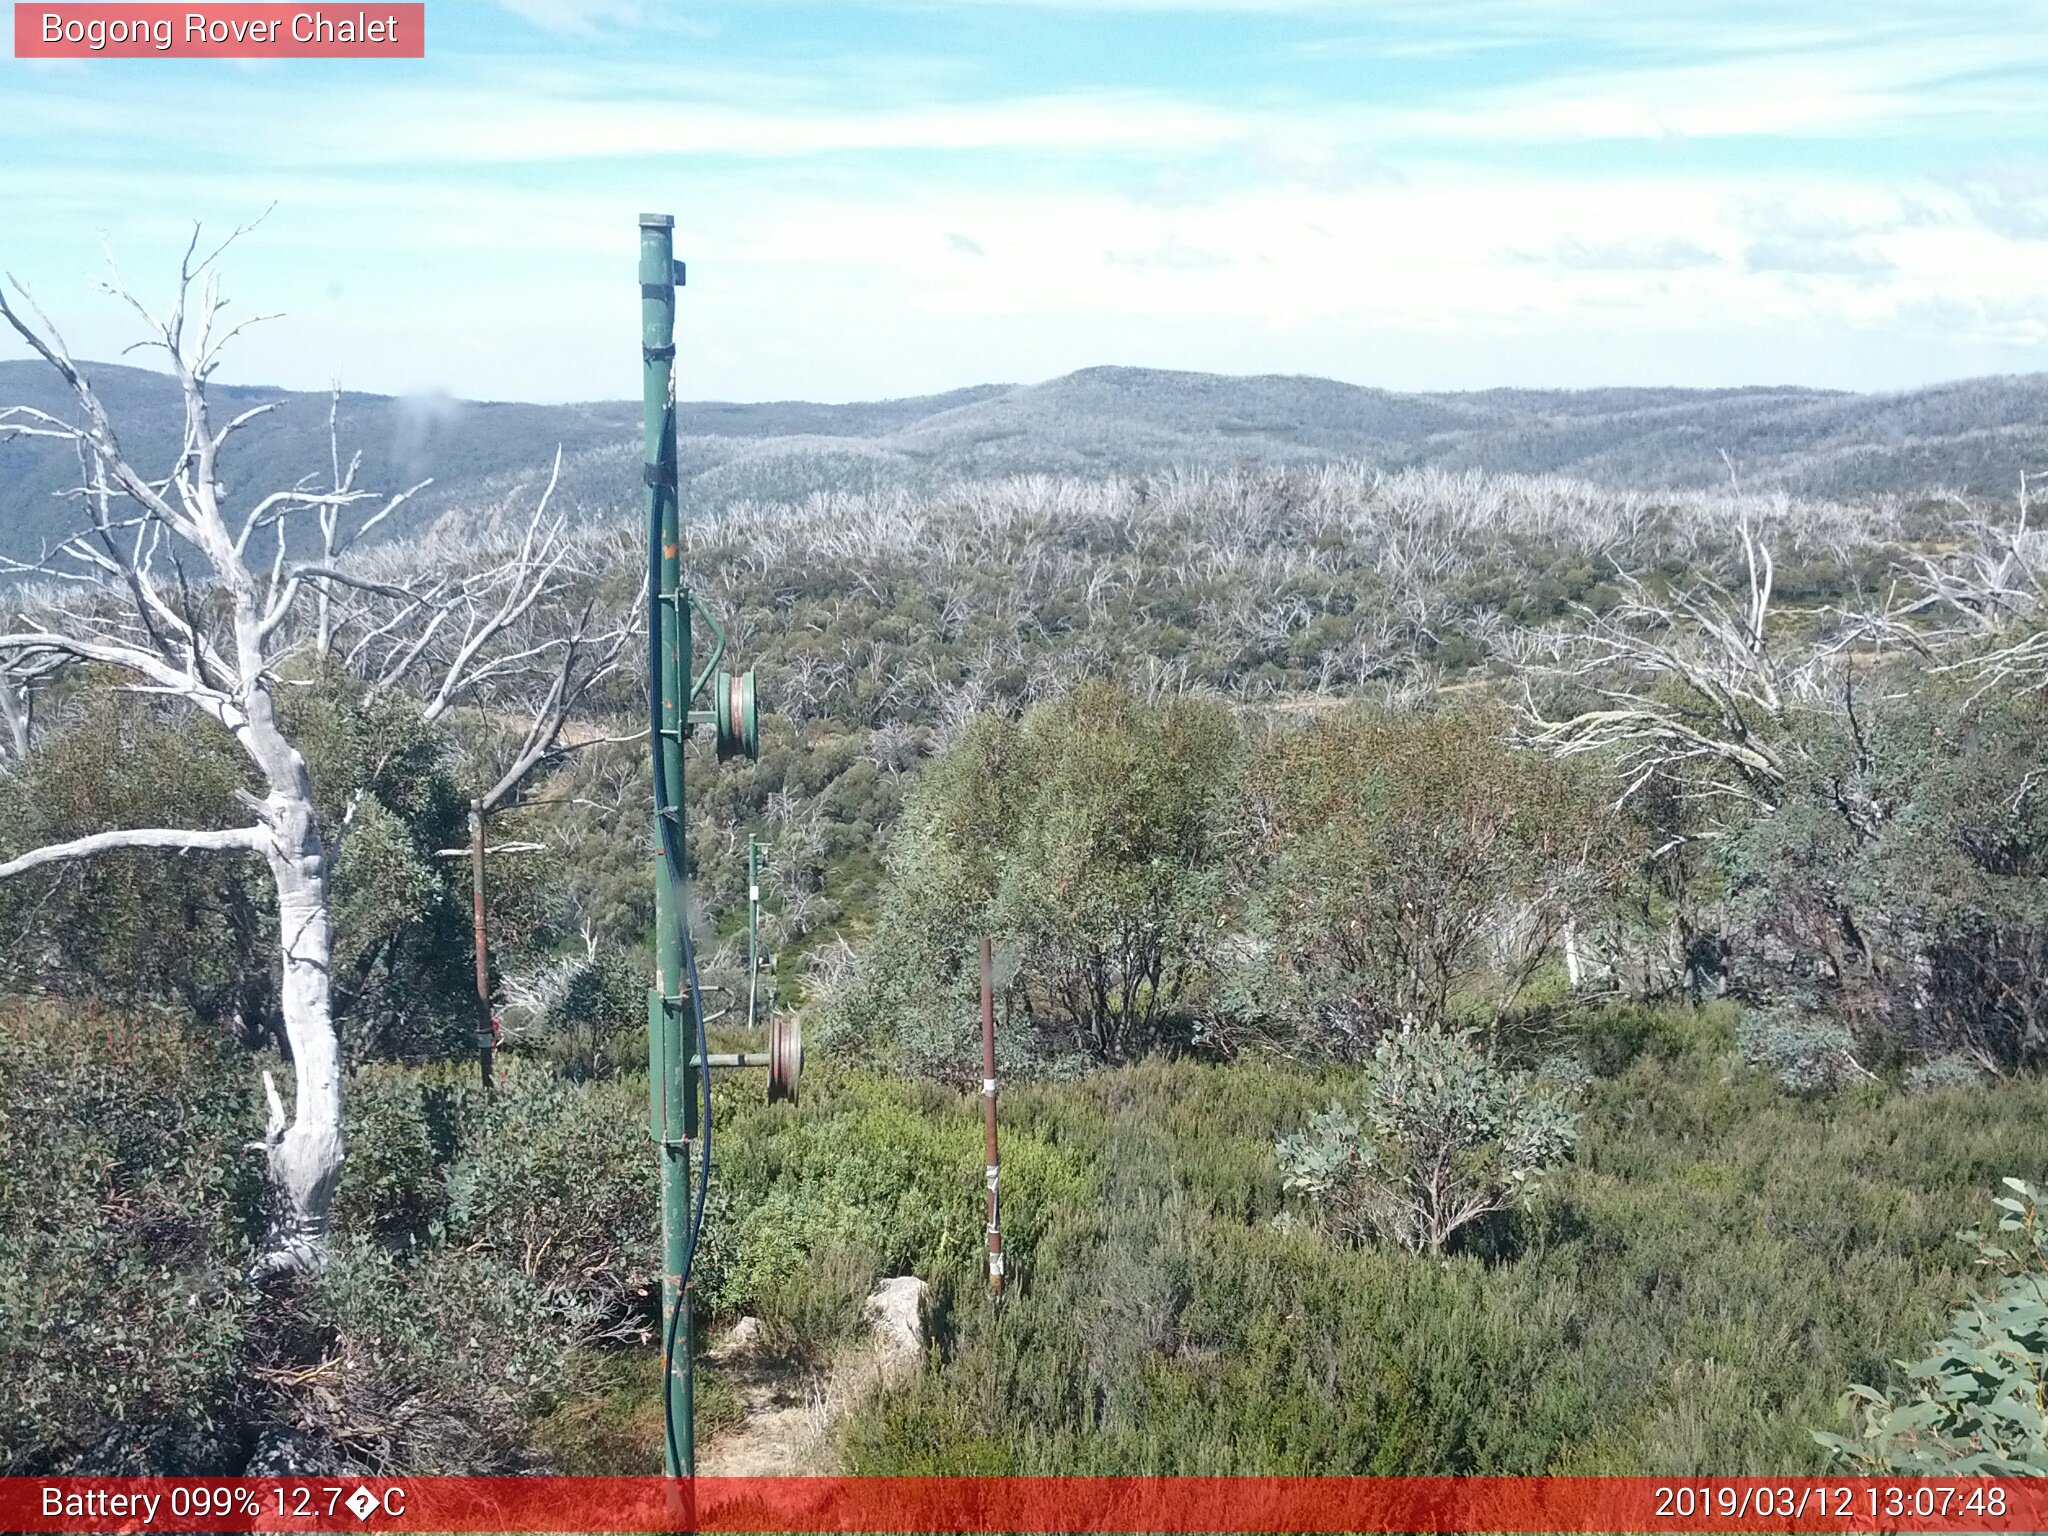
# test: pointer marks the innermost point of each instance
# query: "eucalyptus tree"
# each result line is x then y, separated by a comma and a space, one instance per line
174, 589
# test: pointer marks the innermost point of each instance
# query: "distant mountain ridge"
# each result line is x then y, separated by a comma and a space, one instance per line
1973, 436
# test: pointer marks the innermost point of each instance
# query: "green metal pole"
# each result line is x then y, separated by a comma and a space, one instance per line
671, 1073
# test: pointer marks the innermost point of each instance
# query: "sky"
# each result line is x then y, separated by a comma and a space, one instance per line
880, 198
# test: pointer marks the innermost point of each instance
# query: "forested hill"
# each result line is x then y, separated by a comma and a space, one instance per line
1973, 436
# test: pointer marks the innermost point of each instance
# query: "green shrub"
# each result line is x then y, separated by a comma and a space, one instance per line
438, 1365
1086, 840
127, 1205
1403, 872
1807, 1053
199, 931
403, 1126
1901, 883
489, 1243
1683, 1301
1940, 1074
556, 1183
1439, 1138
597, 1028
1610, 1038
868, 1178
806, 1310
861, 1166
138, 928
1976, 1405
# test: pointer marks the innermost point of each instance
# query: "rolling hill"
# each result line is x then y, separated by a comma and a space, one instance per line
1973, 436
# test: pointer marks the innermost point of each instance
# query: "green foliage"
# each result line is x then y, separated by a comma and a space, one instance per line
199, 930
555, 1182
1945, 1073
867, 1178
194, 930
487, 1244
1683, 1300
597, 1027
127, 1204
404, 1127
1113, 879
969, 805
1714, 1257
1380, 873
1087, 839
1611, 1036
1439, 1137
1406, 870
438, 1365
404, 967
1901, 887
484, 1246
1976, 1405
1808, 1054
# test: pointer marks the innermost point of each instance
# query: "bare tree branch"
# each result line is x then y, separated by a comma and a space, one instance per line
237, 839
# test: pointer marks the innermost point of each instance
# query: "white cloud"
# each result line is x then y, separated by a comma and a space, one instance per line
1668, 255
1456, 276
575, 16
1835, 257
849, 238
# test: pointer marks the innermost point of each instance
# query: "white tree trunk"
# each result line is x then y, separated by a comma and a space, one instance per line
305, 1152
13, 718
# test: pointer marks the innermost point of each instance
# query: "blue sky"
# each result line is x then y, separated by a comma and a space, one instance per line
894, 198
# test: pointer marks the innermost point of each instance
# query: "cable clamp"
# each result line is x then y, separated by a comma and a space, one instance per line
995, 1177
659, 475
658, 354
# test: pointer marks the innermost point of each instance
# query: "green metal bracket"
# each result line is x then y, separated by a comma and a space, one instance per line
717, 644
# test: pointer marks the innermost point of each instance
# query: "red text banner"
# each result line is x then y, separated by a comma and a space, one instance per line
220, 31
1109, 1504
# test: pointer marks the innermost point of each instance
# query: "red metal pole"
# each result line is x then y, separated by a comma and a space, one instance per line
988, 1114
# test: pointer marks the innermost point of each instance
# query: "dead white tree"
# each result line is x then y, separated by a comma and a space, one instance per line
19, 684
1982, 610
509, 629
184, 593
1695, 687
512, 641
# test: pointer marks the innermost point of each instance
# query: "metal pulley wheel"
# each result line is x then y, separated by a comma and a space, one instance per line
785, 1058
738, 726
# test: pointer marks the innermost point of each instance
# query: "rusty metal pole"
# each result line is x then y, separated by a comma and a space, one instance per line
484, 1042
988, 1115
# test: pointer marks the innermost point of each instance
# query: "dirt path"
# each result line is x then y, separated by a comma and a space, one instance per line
792, 1411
